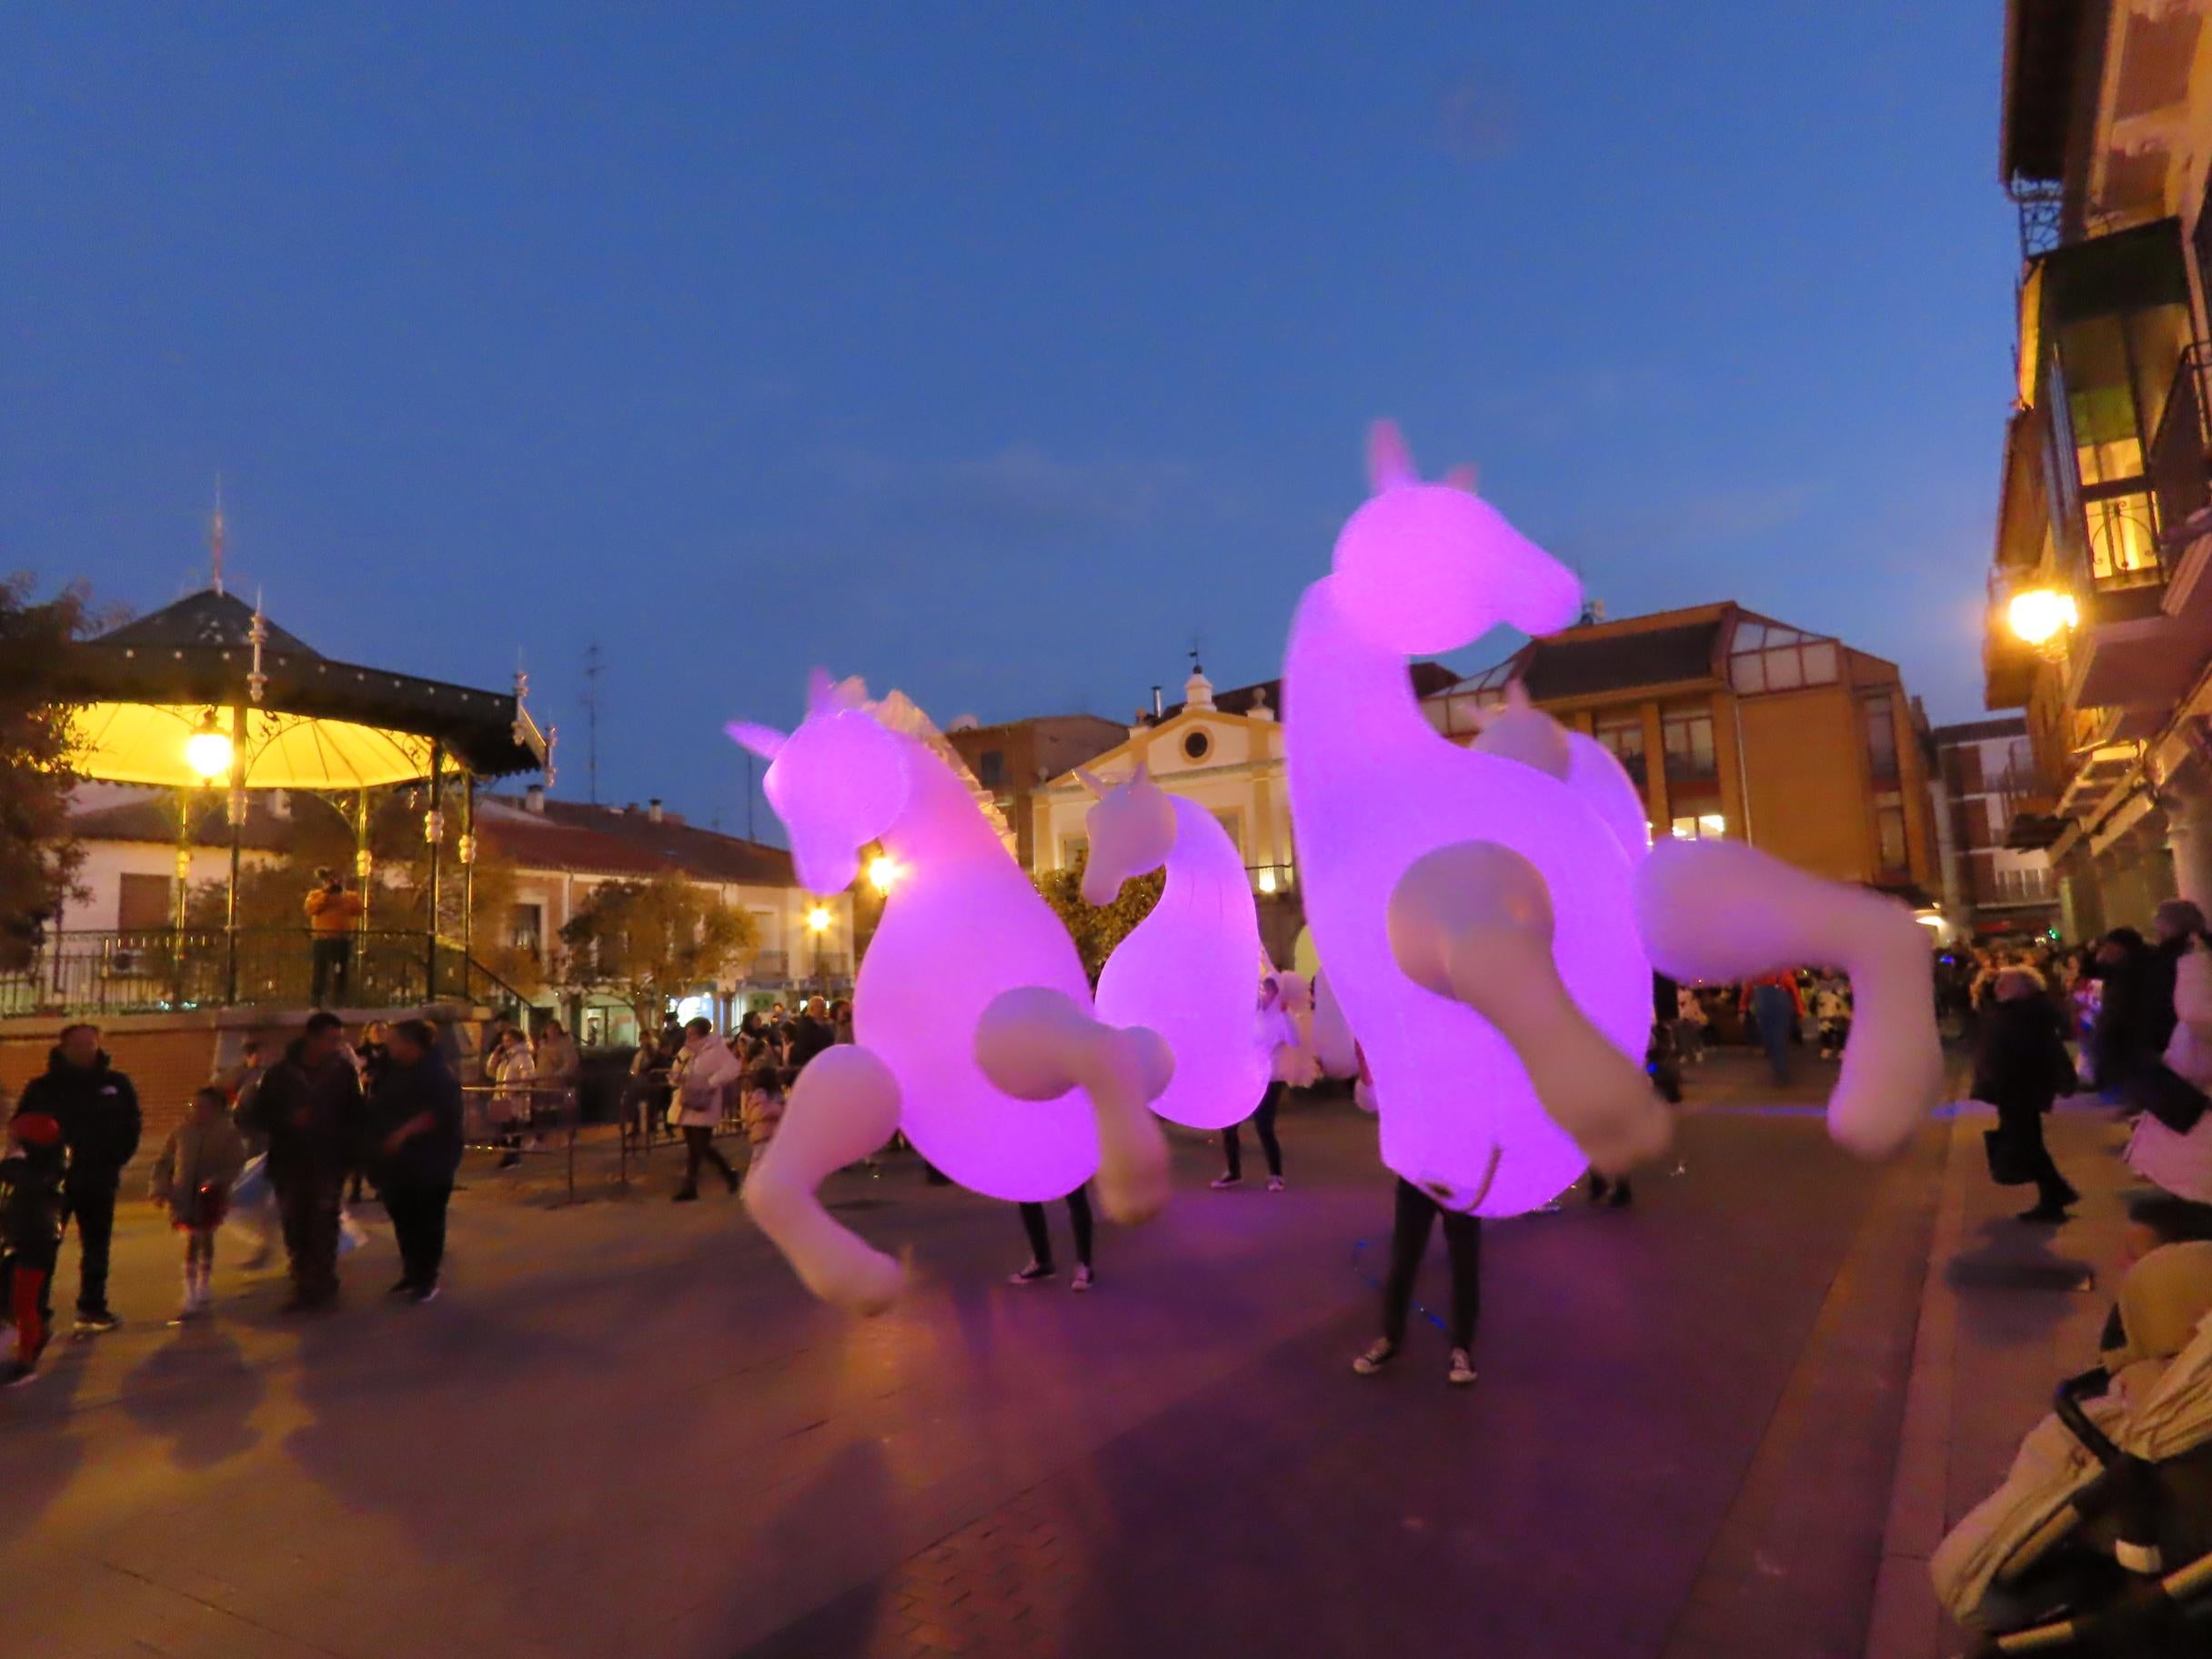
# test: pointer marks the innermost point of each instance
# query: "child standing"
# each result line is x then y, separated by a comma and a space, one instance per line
193, 1176
761, 1108
30, 1231
1832, 1008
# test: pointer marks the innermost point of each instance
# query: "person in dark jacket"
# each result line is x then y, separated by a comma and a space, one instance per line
2125, 1037
415, 1119
310, 1110
30, 1232
812, 1033
97, 1109
2020, 1067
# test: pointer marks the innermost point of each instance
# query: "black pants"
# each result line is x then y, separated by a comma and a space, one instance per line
1263, 1120
93, 1208
307, 1204
699, 1147
331, 965
2023, 1126
419, 1225
1409, 1238
1041, 1238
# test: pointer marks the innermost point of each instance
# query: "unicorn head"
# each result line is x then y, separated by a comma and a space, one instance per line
1132, 828
1425, 568
838, 782
1519, 730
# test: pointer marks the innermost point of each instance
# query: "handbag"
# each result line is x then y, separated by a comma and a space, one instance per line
2010, 1165
2168, 1097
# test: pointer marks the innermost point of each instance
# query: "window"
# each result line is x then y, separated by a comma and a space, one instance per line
1880, 722
1889, 834
991, 767
146, 904
2123, 553
1702, 827
1233, 820
1623, 735
1073, 851
526, 927
1688, 737
1767, 657
1196, 744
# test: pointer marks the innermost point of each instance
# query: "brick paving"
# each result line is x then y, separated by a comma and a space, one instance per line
625, 1432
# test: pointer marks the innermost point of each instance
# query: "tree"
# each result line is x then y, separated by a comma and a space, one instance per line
38, 855
650, 942
1098, 928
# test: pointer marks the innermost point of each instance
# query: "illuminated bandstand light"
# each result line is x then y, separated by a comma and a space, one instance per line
207, 752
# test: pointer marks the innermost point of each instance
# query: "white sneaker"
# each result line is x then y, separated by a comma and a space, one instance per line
1081, 1282
1274, 1183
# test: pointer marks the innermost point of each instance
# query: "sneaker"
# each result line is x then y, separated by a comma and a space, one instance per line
1375, 1358
1082, 1280
424, 1295
1032, 1274
18, 1375
1462, 1371
96, 1325
185, 1315
1275, 1184
689, 1195
1221, 1183
2045, 1215
405, 1287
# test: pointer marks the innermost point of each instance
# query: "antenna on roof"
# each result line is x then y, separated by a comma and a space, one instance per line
593, 667
214, 534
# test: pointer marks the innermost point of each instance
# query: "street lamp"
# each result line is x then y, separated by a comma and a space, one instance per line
818, 924
207, 750
882, 875
2041, 617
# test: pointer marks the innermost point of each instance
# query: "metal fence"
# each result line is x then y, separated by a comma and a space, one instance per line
164, 970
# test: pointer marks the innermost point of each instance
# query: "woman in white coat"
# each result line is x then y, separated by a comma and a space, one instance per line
2182, 1163
704, 1073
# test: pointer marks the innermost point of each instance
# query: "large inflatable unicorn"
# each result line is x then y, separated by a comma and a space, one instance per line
1482, 914
1191, 968
972, 1020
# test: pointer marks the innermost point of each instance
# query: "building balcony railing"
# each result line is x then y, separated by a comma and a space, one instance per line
2177, 465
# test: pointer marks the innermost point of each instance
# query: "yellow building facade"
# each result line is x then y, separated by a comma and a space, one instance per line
1734, 724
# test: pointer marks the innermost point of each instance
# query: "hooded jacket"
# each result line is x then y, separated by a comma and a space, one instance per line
311, 1114
430, 1157
97, 1109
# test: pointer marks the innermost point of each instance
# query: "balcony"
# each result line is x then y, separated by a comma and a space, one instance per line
2179, 449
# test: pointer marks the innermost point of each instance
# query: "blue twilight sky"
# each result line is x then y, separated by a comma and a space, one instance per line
993, 352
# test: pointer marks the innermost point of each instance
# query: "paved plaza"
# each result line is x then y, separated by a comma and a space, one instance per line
625, 1430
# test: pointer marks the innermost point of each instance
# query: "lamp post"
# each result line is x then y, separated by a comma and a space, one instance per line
818, 924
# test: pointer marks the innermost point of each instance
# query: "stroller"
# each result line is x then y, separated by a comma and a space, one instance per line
2104, 1548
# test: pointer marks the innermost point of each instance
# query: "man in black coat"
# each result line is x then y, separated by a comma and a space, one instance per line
310, 1109
415, 1121
812, 1033
97, 1109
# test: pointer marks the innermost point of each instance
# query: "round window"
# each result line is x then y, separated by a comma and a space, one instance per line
1196, 745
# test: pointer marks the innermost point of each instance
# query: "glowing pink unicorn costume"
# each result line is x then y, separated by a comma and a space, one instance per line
1482, 913
970, 1015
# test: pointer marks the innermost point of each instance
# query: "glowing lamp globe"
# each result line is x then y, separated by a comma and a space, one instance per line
882, 872
207, 752
818, 920
2041, 614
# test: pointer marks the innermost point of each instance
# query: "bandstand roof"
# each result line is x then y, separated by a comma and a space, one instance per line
143, 689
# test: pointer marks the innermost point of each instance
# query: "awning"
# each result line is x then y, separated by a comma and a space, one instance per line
144, 743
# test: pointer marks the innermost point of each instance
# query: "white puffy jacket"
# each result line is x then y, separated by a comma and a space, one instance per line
2182, 1164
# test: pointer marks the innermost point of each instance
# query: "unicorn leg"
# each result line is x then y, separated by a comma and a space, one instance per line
844, 1106
1723, 910
1473, 922
1037, 1043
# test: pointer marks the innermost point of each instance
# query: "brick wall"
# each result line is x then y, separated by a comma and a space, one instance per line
166, 1056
